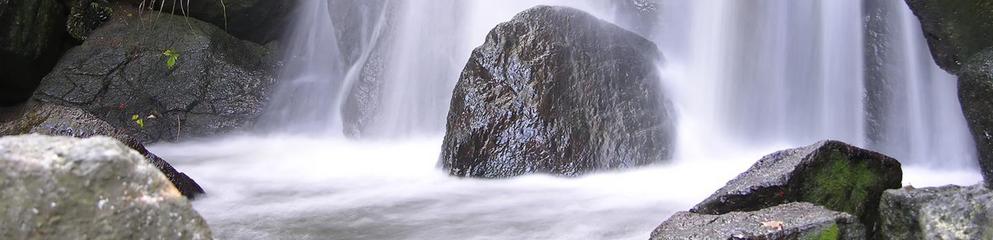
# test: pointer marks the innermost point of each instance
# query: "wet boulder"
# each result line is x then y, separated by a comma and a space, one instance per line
260, 21
976, 97
55, 120
955, 30
556, 90
798, 220
832, 174
949, 212
164, 77
31, 34
95, 188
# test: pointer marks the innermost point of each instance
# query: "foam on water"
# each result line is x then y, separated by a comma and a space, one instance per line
266, 187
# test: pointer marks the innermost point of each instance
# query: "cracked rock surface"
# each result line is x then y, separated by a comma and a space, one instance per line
122, 74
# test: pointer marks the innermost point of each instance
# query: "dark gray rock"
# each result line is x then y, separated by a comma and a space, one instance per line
788, 221
260, 21
832, 174
95, 188
949, 212
122, 74
955, 30
556, 90
976, 97
31, 34
55, 120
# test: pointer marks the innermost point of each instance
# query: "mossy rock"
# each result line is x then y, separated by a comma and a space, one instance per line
800, 220
832, 174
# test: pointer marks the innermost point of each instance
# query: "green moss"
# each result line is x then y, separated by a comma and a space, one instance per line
831, 233
840, 184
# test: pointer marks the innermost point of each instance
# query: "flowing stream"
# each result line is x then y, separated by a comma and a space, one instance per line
747, 79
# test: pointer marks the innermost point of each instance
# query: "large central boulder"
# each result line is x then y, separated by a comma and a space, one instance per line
556, 90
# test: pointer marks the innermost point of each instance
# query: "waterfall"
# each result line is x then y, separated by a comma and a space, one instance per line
743, 74
351, 136
789, 73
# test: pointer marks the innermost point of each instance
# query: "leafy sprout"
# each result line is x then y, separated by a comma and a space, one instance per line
173, 56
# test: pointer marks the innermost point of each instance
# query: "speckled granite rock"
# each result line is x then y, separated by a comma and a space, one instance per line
56, 120
788, 221
95, 188
949, 212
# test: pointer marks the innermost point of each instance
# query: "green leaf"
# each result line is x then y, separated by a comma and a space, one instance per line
134, 117
173, 56
141, 123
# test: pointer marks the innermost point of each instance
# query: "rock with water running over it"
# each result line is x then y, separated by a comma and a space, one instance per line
164, 77
95, 188
832, 174
31, 34
797, 220
949, 212
55, 120
640, 16
556, 90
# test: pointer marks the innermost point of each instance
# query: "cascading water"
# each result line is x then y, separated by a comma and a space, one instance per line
747, 78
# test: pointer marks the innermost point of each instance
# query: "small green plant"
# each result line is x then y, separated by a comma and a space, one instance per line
138, 120
172, 57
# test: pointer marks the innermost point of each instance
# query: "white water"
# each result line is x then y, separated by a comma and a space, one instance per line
747, 78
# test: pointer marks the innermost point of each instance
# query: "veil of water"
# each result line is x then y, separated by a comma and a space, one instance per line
349, 145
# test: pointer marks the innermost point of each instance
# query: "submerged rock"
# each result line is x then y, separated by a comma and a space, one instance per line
949, 212
976, 97
832, 174
556, 90
31, 34
788, 221
95, 188
55, 120
164, 77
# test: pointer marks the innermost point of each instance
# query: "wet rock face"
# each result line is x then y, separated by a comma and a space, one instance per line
95, 188
180, 77
949, 212
832, 174
556, 90
955, 30
788, 221
31, 33
976, 97
55, 120
259, 21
